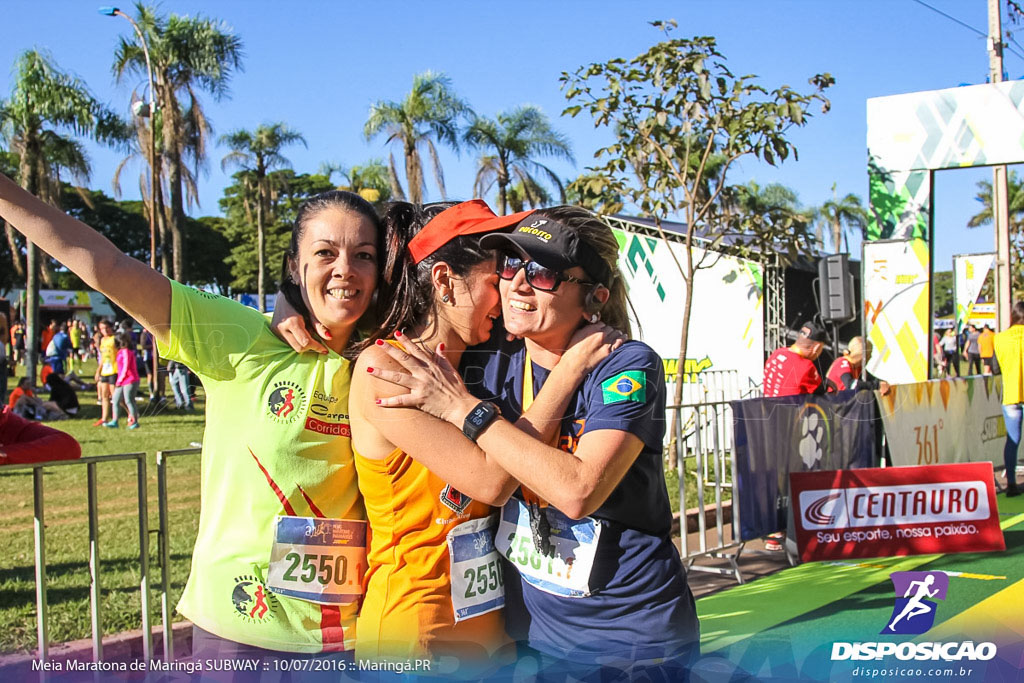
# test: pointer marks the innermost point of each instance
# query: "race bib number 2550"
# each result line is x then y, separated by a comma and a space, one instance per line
318, 560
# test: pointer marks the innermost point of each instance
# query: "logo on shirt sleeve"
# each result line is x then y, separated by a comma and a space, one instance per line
454, 499
627, 386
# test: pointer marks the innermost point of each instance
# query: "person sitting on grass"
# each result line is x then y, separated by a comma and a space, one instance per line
127, 384
23, 441
24, 403
62, 393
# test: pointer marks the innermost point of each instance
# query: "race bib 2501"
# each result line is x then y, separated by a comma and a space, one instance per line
566, 569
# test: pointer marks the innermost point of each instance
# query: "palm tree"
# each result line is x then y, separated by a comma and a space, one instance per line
525, 194
188, 54
512, 142
259, 152
44, 101
429, 112
837, 214
1015, 199
371, 180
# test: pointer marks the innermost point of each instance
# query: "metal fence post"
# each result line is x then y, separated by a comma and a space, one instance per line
165, 557
42, 634
94, 568
147, 634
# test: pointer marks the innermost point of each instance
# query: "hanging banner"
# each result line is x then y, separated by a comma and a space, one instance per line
657, 290
896, 511
896, 309
969, 274
777, 436
945, 421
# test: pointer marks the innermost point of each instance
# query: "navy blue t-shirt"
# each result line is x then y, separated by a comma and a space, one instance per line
640, 606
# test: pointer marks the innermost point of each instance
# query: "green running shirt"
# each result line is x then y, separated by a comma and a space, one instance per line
277, 442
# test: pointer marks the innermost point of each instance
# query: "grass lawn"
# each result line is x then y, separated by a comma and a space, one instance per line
67, 530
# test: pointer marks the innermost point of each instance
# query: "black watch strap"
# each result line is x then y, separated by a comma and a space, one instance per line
482, 415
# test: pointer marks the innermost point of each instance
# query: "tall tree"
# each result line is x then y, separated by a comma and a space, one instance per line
289, 191
259, 152
1015, 199
512, 142
837, 214
673, 111
44, 102
428, 113
188, 54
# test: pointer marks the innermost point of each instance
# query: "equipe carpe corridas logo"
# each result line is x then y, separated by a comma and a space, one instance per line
913, 614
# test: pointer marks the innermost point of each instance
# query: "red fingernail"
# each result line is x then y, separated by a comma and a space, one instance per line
369, 370
377, 401
379, 342
398, 333
441, 347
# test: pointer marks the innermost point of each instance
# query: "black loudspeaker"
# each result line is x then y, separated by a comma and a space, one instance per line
836, 297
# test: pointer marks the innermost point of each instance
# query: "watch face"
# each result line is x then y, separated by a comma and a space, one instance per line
478, 414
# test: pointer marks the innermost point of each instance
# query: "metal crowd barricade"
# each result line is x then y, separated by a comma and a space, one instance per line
163, 538
42, 629
703, 435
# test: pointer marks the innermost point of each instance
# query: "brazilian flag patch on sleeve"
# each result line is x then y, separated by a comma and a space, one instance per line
627, 386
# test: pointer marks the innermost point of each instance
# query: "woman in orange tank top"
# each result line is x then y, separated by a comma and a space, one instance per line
434, 587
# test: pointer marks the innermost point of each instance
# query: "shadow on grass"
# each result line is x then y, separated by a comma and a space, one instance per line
61, 570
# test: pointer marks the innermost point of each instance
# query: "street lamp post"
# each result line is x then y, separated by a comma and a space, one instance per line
148, 110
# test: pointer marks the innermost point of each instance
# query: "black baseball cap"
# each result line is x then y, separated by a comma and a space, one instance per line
813, 332
552, 245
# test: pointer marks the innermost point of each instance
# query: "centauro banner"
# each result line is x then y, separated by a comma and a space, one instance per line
896, 311
727, 320
969, 273
945, 421
894, 511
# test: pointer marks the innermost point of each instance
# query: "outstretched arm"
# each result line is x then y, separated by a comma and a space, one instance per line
144, 293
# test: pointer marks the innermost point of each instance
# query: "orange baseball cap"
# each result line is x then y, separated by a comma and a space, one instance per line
468, 218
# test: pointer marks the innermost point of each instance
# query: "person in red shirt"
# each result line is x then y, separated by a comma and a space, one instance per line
791, 371
847, 371
23, 441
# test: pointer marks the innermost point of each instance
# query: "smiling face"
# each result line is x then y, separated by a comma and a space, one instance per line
477, 303
548, 318
336, 268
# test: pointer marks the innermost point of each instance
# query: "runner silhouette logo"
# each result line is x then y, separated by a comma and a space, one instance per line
914, 611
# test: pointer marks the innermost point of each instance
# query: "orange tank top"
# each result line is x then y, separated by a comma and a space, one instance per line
407, 608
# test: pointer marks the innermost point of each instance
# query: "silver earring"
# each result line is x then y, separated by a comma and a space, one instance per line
595, 317
446, 298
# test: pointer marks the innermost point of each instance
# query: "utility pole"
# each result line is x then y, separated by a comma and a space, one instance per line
1000, 192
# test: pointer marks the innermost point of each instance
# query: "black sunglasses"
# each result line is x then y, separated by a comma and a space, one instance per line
538, 277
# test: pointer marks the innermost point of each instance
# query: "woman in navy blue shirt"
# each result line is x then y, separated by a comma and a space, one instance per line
600, 583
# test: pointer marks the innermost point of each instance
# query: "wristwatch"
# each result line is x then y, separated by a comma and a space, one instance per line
479, 418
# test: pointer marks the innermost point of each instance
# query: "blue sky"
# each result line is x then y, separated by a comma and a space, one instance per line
318, 66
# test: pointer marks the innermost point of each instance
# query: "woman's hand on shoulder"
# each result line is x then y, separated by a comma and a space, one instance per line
432, 384
289, 326
591, 344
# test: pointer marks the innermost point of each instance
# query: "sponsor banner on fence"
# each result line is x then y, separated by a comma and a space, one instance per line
896, 310
945, 421
969, 274
777, 436
896, 511
656, 288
